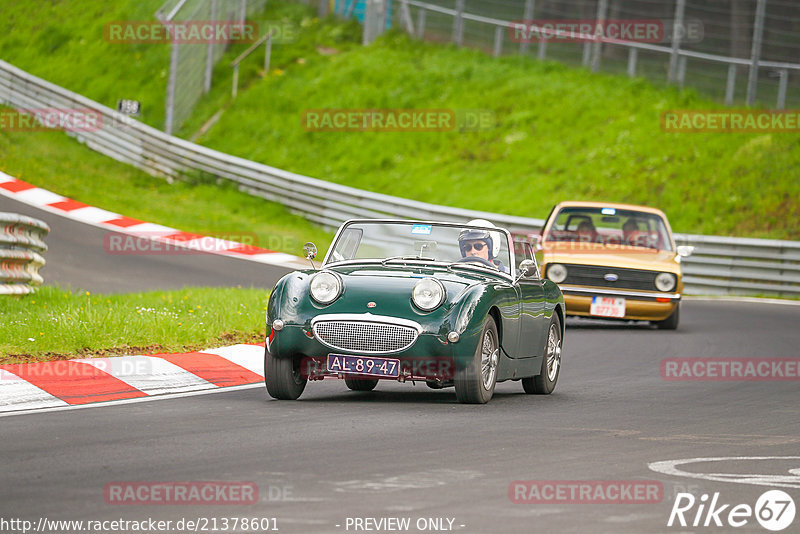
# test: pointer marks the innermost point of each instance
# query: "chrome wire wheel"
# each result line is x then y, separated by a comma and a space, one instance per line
475, 379
490, 355
545, 382
553, 352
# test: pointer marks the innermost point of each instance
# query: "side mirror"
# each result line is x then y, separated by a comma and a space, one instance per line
526, 269
685, 251
310, 250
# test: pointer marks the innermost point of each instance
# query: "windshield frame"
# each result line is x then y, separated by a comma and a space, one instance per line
474, 267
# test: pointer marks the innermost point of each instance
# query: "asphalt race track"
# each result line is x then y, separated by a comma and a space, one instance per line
408, 451
76, 257
405, 451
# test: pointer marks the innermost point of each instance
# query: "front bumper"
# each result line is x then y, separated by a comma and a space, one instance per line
430, 357
639, 305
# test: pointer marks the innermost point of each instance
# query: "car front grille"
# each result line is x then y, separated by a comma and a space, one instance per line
593, 275
365, 336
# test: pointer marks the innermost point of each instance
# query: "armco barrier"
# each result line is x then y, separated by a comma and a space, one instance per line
21, 248
721, 265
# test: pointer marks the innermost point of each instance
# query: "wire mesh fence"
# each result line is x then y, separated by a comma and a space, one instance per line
710, 45
192, 63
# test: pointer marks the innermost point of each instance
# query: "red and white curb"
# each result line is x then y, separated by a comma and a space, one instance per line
72, 209
72, 383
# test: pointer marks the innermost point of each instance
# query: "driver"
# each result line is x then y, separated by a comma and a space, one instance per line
478, 243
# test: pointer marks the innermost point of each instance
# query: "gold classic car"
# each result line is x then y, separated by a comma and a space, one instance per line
614, 261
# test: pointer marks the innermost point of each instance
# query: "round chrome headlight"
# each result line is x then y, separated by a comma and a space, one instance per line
665, 281
428, 294
557, 273
325, 287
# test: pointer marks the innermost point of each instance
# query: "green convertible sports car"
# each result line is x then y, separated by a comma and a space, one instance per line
452, 304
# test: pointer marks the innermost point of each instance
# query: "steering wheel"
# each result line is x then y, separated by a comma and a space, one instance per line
477, 259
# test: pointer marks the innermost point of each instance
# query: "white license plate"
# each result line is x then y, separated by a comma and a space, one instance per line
608, 307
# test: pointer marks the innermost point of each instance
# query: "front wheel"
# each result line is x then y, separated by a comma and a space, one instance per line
361, 384
545, 382
671, 322
283, 377
475, 382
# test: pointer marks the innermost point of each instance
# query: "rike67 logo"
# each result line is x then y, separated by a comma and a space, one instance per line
774, 510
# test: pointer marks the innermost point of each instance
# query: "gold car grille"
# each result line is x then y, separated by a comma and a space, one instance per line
364, 336
593, 275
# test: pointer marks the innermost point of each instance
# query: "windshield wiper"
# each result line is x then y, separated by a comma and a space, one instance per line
423, 258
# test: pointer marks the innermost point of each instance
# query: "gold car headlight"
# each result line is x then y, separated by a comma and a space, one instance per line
665, 281
557, 273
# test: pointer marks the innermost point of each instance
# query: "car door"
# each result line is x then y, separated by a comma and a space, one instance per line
533, 322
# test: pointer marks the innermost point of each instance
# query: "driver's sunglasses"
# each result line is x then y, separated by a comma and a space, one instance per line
469, 246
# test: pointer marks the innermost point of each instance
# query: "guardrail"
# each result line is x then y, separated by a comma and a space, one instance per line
721, 265
21, 248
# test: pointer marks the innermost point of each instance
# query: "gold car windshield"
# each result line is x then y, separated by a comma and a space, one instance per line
610, 226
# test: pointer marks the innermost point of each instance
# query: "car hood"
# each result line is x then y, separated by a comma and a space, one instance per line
610, 255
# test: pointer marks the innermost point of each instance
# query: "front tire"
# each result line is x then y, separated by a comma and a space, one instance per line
475, 382
361, 384
545, 382
671, 322
283, 377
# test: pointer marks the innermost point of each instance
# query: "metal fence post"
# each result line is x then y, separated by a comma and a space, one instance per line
527, 17
169, 115
421, 23
755, 55
405, 15
782, 81
633, 54
677, 33
681, 71
602, 10
267, 53
210, 53
730, 86
498, 41
542, 49
458, 23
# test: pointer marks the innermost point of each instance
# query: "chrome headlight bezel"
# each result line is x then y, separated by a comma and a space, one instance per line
665, 281
428, 294
318, 291
559, 268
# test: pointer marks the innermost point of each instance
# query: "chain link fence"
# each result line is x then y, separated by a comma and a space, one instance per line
735, 51
191, 65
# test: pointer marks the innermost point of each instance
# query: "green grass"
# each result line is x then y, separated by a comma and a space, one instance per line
66, 167
561, 133
63, 42
54, 323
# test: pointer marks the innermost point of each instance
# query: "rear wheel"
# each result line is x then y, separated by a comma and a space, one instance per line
671, 322
361, 384
283, 377
475, 382
545, 382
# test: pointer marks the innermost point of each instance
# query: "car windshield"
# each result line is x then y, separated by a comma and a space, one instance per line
440, 242
610, 226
